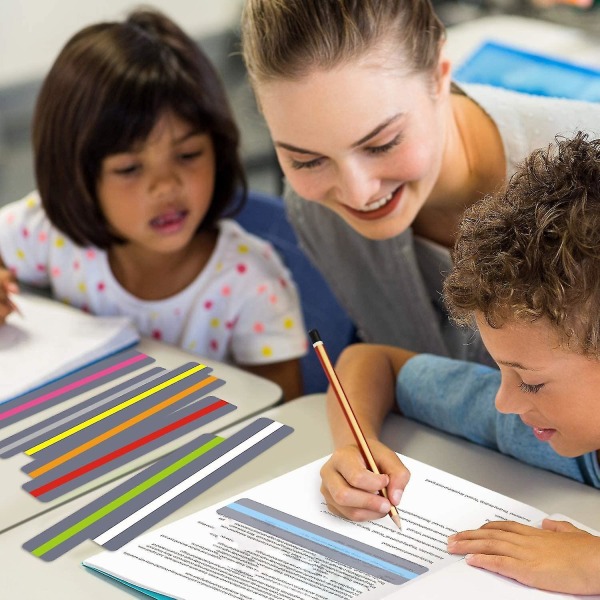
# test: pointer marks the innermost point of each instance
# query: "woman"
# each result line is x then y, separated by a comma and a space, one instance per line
382, 153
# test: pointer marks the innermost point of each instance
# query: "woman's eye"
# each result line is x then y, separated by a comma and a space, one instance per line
309, 164
385, 147
531, 389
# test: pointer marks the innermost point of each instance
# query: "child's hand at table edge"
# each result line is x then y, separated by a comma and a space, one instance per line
558, 558
8, 286
350, 488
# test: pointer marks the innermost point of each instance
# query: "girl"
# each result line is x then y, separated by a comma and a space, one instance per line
382, 153
136, 161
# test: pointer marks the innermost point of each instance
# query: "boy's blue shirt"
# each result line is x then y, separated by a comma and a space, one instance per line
458, 397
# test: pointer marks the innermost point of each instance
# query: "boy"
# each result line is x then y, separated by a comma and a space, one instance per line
527, 273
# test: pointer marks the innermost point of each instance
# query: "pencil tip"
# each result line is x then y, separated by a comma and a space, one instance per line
396, 520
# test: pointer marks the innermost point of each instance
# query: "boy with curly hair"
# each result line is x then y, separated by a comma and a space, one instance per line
527, 273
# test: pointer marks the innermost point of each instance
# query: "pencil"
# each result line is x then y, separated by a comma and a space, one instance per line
361, 441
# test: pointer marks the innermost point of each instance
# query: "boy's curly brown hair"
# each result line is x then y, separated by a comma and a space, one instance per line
532, 251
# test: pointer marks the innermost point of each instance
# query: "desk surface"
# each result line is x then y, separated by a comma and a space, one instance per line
27, 577
249, 393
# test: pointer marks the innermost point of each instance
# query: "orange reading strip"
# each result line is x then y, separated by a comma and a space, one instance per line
121, 427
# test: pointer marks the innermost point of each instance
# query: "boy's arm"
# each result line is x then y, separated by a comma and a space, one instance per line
558, 558
368, 374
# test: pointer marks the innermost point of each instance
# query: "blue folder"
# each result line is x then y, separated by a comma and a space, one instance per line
523, 71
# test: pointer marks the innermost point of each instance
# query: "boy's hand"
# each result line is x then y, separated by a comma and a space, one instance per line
350, 488
8, 286
559, 557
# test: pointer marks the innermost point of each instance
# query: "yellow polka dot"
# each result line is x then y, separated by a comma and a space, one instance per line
288, 323
59, 242
82, 287
192, 345
243, 249
215, 322
20, 254
267, 351
31, 203
219, 267
154, 316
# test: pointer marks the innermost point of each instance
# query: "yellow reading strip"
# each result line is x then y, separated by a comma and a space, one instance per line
118, 428
113, 410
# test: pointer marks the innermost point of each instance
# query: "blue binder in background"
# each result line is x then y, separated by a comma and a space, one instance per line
523, 71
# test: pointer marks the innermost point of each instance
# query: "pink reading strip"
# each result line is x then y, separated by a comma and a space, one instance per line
71, 386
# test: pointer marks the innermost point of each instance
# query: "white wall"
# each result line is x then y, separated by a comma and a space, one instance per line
32, 32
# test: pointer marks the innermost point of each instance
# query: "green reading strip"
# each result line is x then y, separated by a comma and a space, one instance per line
117, 502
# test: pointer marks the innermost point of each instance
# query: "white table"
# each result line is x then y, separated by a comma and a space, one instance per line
249, 393
25, 576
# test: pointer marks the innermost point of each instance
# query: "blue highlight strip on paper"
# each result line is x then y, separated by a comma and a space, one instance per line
377, 563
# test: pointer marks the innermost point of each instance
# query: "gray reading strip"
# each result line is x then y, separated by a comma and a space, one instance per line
31, 436
89, 430
71, 385
136, 504
325, 542
119, 450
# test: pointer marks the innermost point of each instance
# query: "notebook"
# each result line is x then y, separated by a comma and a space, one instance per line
512, 68
49, 340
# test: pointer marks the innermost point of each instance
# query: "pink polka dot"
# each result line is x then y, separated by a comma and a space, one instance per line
241, 268
208, 304
40, 268
177, 312
225, 291
273, 298
56, 272
25, 232
42, 237
10, 218
261, 289
282, 282
214, 345
230, 324
85, 308
157, 334
90, 254
76, 265
258, 327
101, 286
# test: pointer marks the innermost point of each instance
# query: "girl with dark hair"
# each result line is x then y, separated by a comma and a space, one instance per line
137, 167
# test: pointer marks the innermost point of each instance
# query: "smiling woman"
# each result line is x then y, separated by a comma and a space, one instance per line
382, 153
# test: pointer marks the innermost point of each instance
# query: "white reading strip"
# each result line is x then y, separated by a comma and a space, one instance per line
186, 484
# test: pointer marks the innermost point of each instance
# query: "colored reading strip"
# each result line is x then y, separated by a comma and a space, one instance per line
76, 476
152, 494
121, 427
24, 439
351, 552
113, 410
96, 374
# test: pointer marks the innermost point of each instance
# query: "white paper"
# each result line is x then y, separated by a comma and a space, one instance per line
51, 339
216, 557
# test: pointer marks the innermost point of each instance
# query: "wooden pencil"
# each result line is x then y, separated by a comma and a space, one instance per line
361, 441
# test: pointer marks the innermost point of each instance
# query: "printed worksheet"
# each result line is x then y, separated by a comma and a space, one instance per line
278, 541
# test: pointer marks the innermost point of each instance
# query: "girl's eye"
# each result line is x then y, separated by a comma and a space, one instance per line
191, 155
385, 147
531, 389
309, 164
128, 170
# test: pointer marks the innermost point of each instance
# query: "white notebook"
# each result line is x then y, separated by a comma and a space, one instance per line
50, 339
